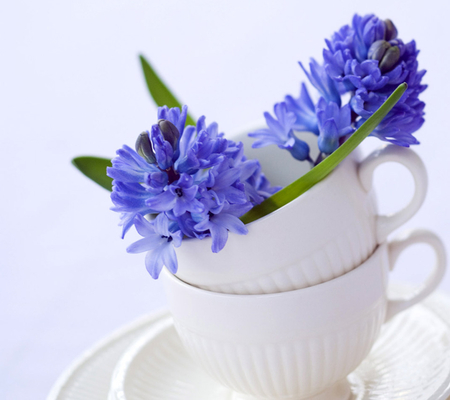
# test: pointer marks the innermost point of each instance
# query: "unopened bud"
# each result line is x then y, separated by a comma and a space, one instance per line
144, 148
391, 31
389, 60
169, 132
378, 49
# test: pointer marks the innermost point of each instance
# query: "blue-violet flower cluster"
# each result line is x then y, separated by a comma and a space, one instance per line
363, 63
183, 182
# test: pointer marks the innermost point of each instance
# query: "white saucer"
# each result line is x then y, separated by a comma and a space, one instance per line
89, 376
410, 360
424, 329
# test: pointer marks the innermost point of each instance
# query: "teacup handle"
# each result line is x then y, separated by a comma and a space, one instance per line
396, 247
386, 224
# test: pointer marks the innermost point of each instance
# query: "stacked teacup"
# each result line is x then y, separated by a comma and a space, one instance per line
290, 309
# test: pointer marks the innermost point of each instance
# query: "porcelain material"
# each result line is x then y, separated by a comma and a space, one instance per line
411, 355
321, 235
297, 344
409, 360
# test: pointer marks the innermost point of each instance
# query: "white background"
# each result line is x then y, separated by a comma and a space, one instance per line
70, 84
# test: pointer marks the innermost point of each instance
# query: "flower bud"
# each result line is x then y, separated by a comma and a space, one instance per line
391, 31
144, 148
300, 150
390, 58
378, 49
169, 132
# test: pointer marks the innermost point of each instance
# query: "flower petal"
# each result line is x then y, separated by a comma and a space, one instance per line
169, 258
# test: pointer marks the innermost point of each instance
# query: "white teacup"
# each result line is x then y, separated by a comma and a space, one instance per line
299, 344
321, 235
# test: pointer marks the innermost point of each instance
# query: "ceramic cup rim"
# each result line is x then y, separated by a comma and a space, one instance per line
336, 303
249, 261
306, 290
309, 195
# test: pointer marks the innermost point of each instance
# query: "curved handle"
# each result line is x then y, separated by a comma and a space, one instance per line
385, 224
396, 247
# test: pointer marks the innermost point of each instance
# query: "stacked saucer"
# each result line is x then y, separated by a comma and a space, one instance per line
298, 344
146, 361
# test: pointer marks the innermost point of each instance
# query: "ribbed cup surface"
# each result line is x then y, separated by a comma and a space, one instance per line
288, 370
342, 254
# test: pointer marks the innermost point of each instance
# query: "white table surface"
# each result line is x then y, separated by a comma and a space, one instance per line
70, 84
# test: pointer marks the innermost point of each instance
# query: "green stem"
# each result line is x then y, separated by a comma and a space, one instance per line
320, 171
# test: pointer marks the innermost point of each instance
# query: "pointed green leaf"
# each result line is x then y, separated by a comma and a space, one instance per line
159, 91
320, 171
95, 169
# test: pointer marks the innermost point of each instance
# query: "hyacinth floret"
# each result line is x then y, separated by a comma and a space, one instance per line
219, 223
159, 242
334, 123
363, 63
341, 40
304, 110
320, 79
280, 132
183, 181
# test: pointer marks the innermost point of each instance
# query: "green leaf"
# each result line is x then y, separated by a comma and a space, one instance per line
320, 171
159, 91
95, 169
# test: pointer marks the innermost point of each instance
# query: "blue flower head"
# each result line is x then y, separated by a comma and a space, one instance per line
375, 62
191, 180
363, 64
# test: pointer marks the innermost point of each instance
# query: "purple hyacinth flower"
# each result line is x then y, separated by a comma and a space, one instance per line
187, 161
397, 127
280, 133
369, 39
222, 185
129, 166
179, 197
129, 172
336, 65
192, 177
320, 79
129, 200
164, 151
334, 123
219, 224
341, 40
366, 61
174, 116
256, 186
365, 75
156, 182
158, 242
368, 29
210, 144
365, 103
304, 110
